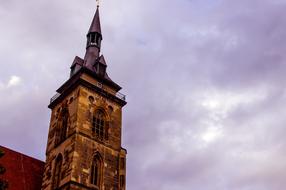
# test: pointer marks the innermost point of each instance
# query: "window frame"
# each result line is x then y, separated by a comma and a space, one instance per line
96, 160
100, 124
57, 172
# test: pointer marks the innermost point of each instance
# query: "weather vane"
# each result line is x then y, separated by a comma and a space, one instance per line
97, 3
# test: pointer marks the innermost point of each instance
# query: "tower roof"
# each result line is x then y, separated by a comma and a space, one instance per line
95, 25
102, 60
93, 64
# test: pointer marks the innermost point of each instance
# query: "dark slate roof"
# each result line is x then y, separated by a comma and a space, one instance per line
102, 60
89, 63
22, 172
93, 72
77, 61
95, 25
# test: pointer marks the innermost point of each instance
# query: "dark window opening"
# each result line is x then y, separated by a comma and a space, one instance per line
65, 115
95, 171
72, 71
122, 181
110, 109
98, 40
92, 38
57, 138
61, 131
71, 100
57, 172
122, 163
91, 99
98, 125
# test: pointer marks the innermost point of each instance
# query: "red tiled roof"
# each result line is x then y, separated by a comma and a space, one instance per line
22, 172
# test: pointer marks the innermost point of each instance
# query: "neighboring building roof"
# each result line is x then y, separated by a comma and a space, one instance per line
22, 172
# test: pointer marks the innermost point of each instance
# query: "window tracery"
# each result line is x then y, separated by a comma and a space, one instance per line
62, 125
95, 172
100, 125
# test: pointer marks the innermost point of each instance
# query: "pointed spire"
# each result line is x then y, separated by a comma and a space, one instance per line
94, 39
93, 63
95, 25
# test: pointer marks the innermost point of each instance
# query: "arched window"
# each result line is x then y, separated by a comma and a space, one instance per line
98, 40
95, 172
65, 117
99, 125
122, 181
57, 172
62, 126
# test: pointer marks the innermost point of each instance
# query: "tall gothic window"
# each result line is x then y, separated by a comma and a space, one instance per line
122, 163
57, 172
65, 116
99, 125
62, 126
95, 175
122, 181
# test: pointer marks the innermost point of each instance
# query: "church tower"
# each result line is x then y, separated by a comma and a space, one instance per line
84, 142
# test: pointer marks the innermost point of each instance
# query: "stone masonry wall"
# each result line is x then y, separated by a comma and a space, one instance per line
80, 145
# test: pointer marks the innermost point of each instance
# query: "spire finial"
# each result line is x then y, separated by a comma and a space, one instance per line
97, 3
95, 25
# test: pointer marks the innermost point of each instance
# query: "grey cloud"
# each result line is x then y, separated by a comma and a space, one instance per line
181, 63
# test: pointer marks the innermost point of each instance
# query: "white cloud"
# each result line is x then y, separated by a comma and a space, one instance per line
13, 81
195, 84
211, 134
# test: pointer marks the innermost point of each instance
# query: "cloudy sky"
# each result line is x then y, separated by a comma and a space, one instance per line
205, 85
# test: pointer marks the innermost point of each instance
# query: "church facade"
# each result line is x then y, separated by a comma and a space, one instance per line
84, 142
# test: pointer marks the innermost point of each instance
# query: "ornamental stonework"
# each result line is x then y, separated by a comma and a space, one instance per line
84, 142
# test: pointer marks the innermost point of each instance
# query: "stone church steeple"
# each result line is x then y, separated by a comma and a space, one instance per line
94, 38
84, 142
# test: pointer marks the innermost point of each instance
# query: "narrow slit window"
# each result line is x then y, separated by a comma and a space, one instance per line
92, 40
122, 163
122, 181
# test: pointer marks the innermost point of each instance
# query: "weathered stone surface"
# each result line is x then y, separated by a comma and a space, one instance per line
81, 143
